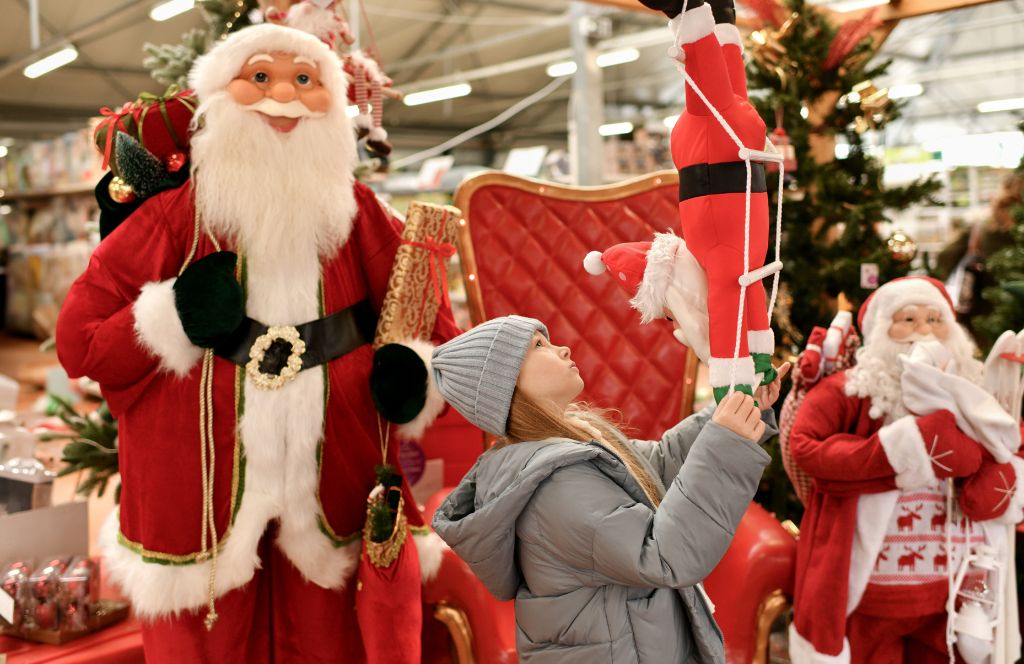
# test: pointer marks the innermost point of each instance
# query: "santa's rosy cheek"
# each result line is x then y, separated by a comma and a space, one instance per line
899, 331
244, 92
940, 330
318, 100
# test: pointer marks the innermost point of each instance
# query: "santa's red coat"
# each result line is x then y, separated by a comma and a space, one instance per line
840, 446
152, 548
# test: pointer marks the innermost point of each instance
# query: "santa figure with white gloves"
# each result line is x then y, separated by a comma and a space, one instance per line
914, 466
228, 323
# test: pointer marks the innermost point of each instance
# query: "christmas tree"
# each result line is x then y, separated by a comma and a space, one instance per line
1006, 268
818, 79
169, 63
811, 81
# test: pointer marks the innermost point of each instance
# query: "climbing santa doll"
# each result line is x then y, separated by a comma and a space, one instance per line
718, 144
913, 468
228, 322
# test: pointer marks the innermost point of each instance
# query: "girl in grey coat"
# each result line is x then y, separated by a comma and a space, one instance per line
602, 541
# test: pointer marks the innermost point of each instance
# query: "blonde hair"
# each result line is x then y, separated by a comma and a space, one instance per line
531, 421
1004, 202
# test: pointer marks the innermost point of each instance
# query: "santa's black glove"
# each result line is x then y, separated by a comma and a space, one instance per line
724, 11
398, 383
209, 299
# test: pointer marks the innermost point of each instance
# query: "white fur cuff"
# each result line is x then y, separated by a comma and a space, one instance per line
415, 428
761, 341
801, 651
159, 330
430, 549
692, 25
907, 453
728, 33
1015, 510
720, 370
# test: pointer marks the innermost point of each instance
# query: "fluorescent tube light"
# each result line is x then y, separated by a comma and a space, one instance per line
51, 62
3, 151
854, 5
607, 59
615, 128
617, 57
996, 105
905, 90
170, 9
559, 69
437, 94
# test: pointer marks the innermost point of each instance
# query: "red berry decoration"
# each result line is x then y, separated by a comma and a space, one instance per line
175, 161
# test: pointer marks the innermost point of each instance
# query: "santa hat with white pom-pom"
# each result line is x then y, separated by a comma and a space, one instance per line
660, 274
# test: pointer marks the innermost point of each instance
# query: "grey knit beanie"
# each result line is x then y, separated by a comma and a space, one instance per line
477, 371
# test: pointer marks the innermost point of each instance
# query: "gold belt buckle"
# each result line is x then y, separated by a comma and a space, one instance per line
267, 381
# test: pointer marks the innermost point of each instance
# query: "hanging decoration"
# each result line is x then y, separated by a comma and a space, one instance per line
902, 248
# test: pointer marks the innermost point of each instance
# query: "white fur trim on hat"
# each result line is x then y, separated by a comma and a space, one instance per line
895, 295
801, 651
906, 452
213, 71
159, 330
720, 371
415, 428
660, 265
593, 264
378, 134
728, 33
692, 25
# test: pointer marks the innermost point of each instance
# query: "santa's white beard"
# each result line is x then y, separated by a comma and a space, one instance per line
878, 372
276, 195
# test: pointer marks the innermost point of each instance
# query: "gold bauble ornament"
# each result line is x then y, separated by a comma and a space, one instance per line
902, 249
121, 191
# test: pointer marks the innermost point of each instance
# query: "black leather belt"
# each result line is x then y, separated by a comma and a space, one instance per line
270, 352
728, 177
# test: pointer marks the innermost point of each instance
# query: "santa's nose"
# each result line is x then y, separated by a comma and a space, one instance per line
283, 92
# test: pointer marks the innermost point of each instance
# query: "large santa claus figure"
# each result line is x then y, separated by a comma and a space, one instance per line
880, 441
228, 323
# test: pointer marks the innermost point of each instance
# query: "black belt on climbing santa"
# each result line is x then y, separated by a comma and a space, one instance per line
727, 177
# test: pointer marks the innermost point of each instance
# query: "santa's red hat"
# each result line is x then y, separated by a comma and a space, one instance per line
899, 293
648, 269
658, 275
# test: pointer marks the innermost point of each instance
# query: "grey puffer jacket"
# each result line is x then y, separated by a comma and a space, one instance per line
597, 574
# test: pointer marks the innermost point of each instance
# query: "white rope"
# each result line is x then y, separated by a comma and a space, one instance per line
778, 243
516, 108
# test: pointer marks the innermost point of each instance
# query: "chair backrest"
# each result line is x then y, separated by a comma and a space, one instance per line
521, 249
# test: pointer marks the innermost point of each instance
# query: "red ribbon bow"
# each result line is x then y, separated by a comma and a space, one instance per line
439, 251
114, 121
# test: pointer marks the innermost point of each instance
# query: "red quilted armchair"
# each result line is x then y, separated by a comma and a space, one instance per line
521, 247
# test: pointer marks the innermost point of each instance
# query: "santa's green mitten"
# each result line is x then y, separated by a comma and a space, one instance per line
763, 366
209, 299
398, 383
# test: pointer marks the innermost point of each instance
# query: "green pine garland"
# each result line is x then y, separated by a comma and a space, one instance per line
169, 64
383, 513
93, 447
845, 195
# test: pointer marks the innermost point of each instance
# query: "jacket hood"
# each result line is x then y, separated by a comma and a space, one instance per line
478, 518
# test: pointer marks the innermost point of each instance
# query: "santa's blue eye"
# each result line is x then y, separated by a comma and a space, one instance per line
303, 79
260, 77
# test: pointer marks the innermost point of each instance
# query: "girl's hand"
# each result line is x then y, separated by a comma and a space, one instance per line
766, 395
739, 414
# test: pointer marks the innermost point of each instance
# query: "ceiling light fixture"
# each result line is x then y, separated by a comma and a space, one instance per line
997, 105
170, 9
437, 94
51, 62
615, 128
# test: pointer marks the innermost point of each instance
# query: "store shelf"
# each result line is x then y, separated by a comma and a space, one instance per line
61, 190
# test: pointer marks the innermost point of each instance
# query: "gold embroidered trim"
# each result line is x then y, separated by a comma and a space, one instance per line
383, 554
